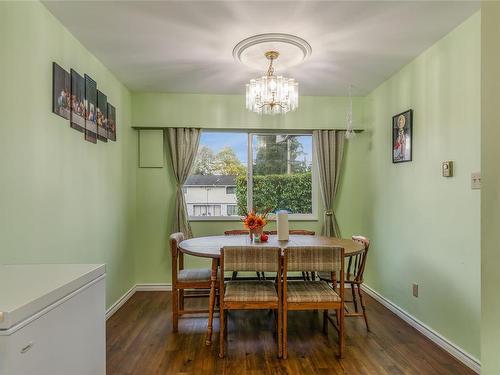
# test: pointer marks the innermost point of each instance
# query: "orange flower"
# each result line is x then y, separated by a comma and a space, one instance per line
259, 221
254, 221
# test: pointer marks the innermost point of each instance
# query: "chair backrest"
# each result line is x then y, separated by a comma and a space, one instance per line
314, 258
175, 240
250, 258
303, 232
236, 232
356, 264
177, 256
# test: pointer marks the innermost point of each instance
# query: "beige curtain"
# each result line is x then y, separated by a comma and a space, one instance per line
330, 150
183, 144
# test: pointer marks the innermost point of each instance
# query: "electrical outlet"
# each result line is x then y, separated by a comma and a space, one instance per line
415, 290
475, 180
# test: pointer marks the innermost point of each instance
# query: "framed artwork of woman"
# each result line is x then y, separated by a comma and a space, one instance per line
402, 132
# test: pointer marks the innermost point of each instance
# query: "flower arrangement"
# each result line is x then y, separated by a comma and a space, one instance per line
254, 221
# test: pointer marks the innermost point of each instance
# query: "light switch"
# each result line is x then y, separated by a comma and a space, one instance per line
475, 180
447, 168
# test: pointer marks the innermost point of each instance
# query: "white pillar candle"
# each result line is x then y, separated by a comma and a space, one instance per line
282, 225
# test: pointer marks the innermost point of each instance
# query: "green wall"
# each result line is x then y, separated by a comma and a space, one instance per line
62, 199
156, 186
490, 197
426, 228
228, 112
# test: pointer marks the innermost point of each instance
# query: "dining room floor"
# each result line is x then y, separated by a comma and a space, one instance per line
140, 341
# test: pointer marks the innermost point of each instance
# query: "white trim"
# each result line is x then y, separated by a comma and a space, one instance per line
120, 302
457, 352
249, 172
136, 288
271, 217
215, 218
153, 287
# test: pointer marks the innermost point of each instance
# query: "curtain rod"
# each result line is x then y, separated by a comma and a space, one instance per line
356, 130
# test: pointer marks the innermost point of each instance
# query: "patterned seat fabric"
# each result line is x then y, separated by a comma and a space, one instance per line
250, 291
195, 275
310, 291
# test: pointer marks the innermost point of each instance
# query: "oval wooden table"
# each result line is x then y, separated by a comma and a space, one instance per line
209, 247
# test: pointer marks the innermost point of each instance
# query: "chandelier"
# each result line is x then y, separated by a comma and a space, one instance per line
272, 94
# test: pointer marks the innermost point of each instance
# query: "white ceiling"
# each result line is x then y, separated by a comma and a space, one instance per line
186, 46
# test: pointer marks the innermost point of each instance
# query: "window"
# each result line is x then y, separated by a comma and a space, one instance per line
233, 170
282, 172
220, 162
206, 210
232, 210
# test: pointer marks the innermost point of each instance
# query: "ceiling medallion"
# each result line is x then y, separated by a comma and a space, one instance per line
271, 94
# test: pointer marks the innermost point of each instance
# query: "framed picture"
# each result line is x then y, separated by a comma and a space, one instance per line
90, 109
102, 117
61, 91
111, 123
77, 118
402, 134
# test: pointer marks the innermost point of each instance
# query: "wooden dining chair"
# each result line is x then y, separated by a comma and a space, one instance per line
240, 232
183, 279
354, 278
300, 232
314, 295
236, 232
250, 295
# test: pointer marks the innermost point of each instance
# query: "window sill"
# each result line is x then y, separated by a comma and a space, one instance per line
226, 218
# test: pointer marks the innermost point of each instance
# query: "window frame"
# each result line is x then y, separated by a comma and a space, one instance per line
231, 205
314, 177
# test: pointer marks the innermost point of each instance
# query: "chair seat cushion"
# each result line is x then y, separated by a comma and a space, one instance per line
310, 291
250, 291
195, 275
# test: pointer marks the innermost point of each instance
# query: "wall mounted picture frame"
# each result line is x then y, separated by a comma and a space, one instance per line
402, 137
77, 118
90, 109
111, 122
76, 98
102, 117
61, 91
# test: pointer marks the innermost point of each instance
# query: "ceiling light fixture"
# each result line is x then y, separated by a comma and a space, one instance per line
272, 94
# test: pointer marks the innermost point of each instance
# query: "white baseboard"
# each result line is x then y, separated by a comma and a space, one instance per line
136, 288
153, 287
457, 352
121, 301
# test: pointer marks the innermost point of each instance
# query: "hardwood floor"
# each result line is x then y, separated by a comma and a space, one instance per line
140, 341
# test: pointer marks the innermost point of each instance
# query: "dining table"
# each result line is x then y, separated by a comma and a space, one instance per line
210, 247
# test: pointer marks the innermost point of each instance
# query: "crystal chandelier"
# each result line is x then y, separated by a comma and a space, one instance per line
272, 94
